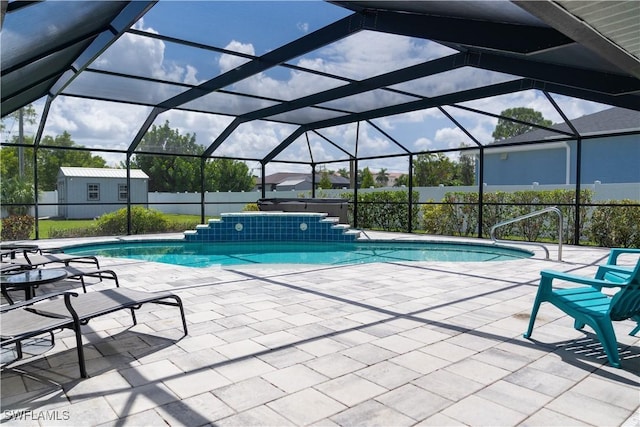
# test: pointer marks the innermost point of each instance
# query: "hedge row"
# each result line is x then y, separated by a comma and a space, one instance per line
383, 210
458, 215
616, 224
143, 221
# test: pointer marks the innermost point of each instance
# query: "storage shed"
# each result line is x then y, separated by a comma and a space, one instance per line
90, 192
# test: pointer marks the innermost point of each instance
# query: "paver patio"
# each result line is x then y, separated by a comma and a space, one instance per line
423, 343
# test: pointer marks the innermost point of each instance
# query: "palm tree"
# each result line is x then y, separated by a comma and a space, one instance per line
19, 194
343, 172
382, 178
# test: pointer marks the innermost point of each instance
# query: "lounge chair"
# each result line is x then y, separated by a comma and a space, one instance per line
40, 257
588, 305
72, 273
8, 268
46, 314
81, 273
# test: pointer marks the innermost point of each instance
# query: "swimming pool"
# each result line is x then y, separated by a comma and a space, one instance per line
199, 254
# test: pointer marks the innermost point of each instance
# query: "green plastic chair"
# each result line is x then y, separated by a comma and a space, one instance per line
588, 305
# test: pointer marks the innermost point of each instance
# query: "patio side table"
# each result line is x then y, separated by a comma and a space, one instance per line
29, 280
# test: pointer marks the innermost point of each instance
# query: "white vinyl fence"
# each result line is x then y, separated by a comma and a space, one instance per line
220, 202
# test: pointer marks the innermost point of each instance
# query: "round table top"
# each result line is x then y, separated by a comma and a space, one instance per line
34, 277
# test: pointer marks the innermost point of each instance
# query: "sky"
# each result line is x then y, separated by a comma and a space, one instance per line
256, 28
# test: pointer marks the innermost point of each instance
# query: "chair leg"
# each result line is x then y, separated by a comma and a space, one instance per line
81, 362
578, 324
635, 330
5, 294
532, 318
607, 337
177, 303
19, 350
184, 320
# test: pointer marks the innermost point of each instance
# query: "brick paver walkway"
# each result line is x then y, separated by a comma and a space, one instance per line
389, 344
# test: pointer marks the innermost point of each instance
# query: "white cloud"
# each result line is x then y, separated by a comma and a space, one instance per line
254, 139
363, 55
146, 57
451, 137
229, 62
96, 124
423, 144
206, 127
368, 53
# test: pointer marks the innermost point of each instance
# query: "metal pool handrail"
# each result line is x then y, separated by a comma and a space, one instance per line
529, 215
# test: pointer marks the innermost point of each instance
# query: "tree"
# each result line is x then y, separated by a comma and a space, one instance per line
9, 161
28, 115
228, 175
402, 180
325, 181
50, 160
168, 172
382, 178
24, 114
367, 179
506, 128
433, 169
466, 168
17, 192
343, 172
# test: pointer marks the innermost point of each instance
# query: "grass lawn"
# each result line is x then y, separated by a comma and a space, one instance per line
47, 225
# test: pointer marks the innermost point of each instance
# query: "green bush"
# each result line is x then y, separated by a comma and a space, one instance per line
17, 195
73, 232
616, 226
142, 221
460, 211
17, 227
179, 226
250, 207
384, 210
436, 218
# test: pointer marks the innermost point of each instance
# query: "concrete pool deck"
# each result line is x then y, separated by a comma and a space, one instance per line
392, 344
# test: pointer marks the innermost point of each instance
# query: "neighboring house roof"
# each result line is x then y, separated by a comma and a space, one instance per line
100, 173
281, 177
603, 122
335, 179
292, 182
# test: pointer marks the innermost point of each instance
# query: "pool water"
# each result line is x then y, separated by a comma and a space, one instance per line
197, 254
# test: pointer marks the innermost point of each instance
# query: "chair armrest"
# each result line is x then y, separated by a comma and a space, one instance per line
20, 304
604, 269
615, 252
596, 283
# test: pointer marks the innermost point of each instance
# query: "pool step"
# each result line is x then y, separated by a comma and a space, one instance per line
277, 226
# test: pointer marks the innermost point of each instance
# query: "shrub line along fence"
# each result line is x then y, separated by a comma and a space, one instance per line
223, 202
609, 214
